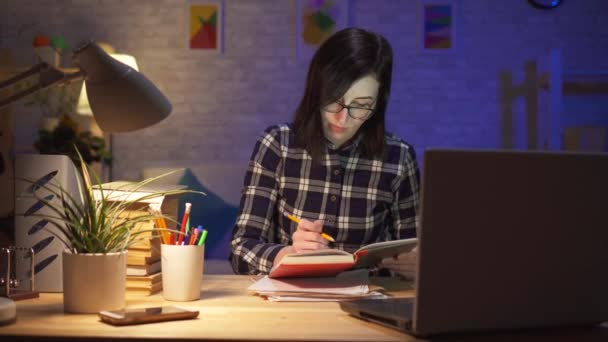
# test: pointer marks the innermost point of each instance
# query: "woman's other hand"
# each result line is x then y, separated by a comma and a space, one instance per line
402, 264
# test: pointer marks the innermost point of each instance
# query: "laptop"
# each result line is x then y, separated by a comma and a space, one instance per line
508, 240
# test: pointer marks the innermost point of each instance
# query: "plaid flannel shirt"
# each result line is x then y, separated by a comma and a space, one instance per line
360, 200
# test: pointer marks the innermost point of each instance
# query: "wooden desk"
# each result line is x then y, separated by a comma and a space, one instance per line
228, 312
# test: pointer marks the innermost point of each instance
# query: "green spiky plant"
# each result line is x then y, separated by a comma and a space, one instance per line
90, 225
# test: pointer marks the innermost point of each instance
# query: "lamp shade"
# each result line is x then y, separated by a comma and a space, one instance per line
83, 107
120, 98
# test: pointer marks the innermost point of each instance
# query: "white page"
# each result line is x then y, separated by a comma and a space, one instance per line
370, 295
350, 283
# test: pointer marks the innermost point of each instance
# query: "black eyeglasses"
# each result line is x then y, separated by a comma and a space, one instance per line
355, 112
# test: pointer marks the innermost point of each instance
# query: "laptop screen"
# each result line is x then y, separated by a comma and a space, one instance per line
512, 239
507, 240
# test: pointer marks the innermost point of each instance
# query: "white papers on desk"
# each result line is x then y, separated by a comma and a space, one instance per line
369, 295
348, 285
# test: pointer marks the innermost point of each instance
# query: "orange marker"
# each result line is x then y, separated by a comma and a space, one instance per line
193, 236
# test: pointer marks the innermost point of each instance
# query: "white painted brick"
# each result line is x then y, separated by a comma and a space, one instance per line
223, 102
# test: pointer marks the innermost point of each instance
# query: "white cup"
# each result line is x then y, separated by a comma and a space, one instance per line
182, 268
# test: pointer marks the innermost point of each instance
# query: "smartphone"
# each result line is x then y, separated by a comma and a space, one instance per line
146, 315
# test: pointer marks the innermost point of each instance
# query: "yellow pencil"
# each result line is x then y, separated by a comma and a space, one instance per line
154, 209
293, 218
324, 235
164, 235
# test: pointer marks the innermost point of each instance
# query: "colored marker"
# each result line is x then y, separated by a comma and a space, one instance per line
203, 237
193, 236
184, 223
188, 232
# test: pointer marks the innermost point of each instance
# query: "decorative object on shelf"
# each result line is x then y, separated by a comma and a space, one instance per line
49, 50
205, 26
44, 51
94, 233
315, 21
436, 26
65, 138
13, 284
545, 4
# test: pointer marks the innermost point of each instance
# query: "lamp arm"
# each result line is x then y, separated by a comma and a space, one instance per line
47, 77
31, 71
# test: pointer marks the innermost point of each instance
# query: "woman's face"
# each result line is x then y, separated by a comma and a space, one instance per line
338, 125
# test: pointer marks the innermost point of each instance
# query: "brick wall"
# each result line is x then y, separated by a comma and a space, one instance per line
222, 103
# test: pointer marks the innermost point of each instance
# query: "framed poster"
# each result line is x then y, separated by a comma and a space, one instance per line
205, 26
315, 21
436, 29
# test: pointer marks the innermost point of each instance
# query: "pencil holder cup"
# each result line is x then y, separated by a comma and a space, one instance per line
182, 268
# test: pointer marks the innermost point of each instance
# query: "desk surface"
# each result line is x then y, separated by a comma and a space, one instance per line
229, 312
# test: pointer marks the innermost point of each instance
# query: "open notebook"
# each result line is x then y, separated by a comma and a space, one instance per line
329, 262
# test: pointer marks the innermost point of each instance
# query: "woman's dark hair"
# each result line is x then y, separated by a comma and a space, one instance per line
345, 57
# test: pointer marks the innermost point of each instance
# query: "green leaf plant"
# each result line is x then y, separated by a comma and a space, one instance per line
94, 225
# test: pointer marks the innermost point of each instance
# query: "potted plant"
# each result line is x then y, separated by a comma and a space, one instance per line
96, 239
63, 136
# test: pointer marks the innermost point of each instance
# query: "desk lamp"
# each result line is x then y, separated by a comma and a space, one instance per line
120, 98
84, 108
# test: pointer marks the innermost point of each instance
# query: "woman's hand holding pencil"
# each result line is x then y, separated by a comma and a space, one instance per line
309, 236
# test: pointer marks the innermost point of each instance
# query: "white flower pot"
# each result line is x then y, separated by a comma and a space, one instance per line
94, 282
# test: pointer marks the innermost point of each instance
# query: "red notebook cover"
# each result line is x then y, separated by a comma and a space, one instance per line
309, 270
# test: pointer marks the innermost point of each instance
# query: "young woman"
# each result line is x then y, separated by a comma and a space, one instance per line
335, 167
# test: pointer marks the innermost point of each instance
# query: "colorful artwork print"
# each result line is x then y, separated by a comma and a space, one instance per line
438, 28
316, 20
204, 24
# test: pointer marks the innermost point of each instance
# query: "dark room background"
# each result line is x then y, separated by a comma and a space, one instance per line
222, 102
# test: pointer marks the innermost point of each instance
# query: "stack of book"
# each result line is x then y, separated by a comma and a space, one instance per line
144, 284
143, 259
143, 269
